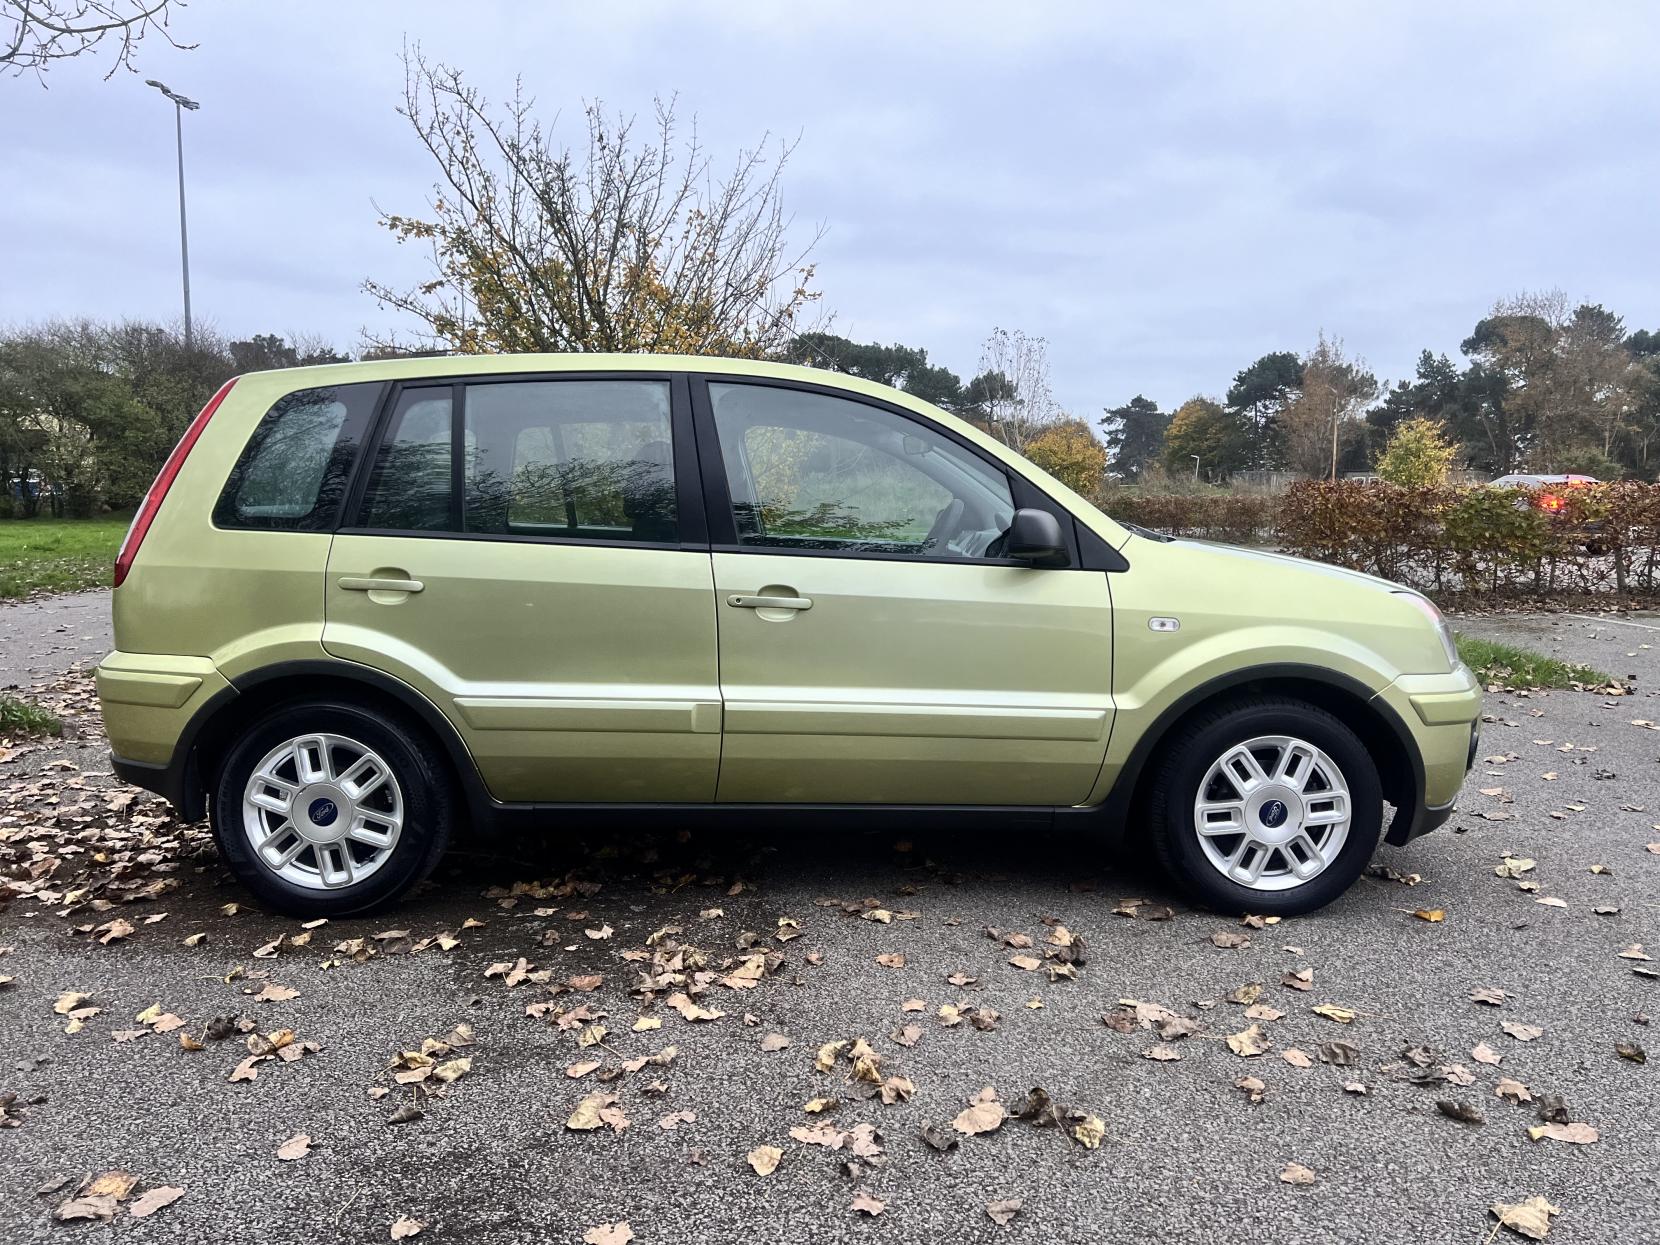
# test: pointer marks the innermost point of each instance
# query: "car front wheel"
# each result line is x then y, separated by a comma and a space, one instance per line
327, 809
1271, 806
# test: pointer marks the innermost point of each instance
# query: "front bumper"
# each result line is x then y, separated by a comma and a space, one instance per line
1442, 713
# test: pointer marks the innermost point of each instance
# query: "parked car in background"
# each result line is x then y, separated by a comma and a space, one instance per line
1550, 494
364, 602
1548, 489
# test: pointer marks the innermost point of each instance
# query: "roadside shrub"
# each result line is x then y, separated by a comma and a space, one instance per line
1233, 518
1598, 538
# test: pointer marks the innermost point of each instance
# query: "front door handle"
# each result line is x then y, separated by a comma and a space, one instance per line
745, 601
373, 584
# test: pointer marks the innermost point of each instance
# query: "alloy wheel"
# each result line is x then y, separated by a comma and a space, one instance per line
1272, 813
322, 811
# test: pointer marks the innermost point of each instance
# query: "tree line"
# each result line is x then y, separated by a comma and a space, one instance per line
1542, 385
90, 410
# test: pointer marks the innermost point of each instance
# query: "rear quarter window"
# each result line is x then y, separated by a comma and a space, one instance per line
293, 472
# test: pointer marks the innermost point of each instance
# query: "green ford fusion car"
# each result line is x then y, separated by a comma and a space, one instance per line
364, 602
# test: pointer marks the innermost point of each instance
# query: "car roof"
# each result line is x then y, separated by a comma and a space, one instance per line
426, 366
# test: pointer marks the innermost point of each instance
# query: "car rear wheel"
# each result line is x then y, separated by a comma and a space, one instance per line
1270, 806
327, 809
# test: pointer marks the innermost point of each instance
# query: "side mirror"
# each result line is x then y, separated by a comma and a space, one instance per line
1035, 537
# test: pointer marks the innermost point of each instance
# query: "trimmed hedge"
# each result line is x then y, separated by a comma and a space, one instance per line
1603, 538
1235, 519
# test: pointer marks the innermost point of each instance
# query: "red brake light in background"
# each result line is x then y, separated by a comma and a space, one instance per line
164, 481
1550, 503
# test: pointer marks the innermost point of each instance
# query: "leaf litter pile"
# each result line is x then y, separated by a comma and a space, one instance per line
650, 1005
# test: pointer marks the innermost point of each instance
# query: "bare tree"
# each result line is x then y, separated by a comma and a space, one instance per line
1023, 407
36, 34
1335, 390
629, 243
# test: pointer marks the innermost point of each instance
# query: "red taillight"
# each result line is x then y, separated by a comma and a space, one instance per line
1550, 503
164, 481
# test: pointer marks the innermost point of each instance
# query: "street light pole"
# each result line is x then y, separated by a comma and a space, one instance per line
180, 103
1195, 458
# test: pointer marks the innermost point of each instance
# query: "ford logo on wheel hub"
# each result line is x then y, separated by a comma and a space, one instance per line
1274, 814
322, 812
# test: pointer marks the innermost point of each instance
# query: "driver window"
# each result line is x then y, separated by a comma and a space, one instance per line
811, 471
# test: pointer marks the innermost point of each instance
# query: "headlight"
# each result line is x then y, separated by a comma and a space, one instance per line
1427, 608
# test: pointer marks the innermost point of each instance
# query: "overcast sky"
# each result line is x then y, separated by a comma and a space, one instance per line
1164, 196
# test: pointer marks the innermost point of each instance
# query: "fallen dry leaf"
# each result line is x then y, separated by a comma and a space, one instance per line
983, 1115
296, 1147
1089, 1132
1512, 1090
1574, 1134
90, 1207
150, 1202
764, 1159
610, 1233
405, 1227
1463, 1112
1004, 1210
587, 1115
1296, 1173
1530, 1218
865, 1204
116, 1184
1248, 1042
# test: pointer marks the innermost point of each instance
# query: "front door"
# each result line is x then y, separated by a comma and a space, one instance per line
517, 557
874, 645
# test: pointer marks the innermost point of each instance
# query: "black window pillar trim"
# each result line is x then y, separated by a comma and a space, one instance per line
716, 493
691, 508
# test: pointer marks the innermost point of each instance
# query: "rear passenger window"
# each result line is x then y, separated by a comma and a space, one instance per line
565, 459
293, 472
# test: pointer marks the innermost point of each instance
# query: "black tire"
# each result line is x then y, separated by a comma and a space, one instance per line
428, 806
1187, 758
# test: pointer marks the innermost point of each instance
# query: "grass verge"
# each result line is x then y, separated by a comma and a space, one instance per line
57, 555
1523, 668
19, 717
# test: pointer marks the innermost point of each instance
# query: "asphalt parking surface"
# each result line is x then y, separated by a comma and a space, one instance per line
1186, 1156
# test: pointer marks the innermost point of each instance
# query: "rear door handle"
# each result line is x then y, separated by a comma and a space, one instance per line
353, 584
745, 601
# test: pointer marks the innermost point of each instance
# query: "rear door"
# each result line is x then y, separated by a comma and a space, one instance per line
530, 554
874, 645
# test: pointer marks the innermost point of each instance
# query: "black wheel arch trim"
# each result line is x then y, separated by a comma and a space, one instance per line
181, 781
1409, 811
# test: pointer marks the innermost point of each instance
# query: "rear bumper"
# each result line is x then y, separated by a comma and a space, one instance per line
148, 702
